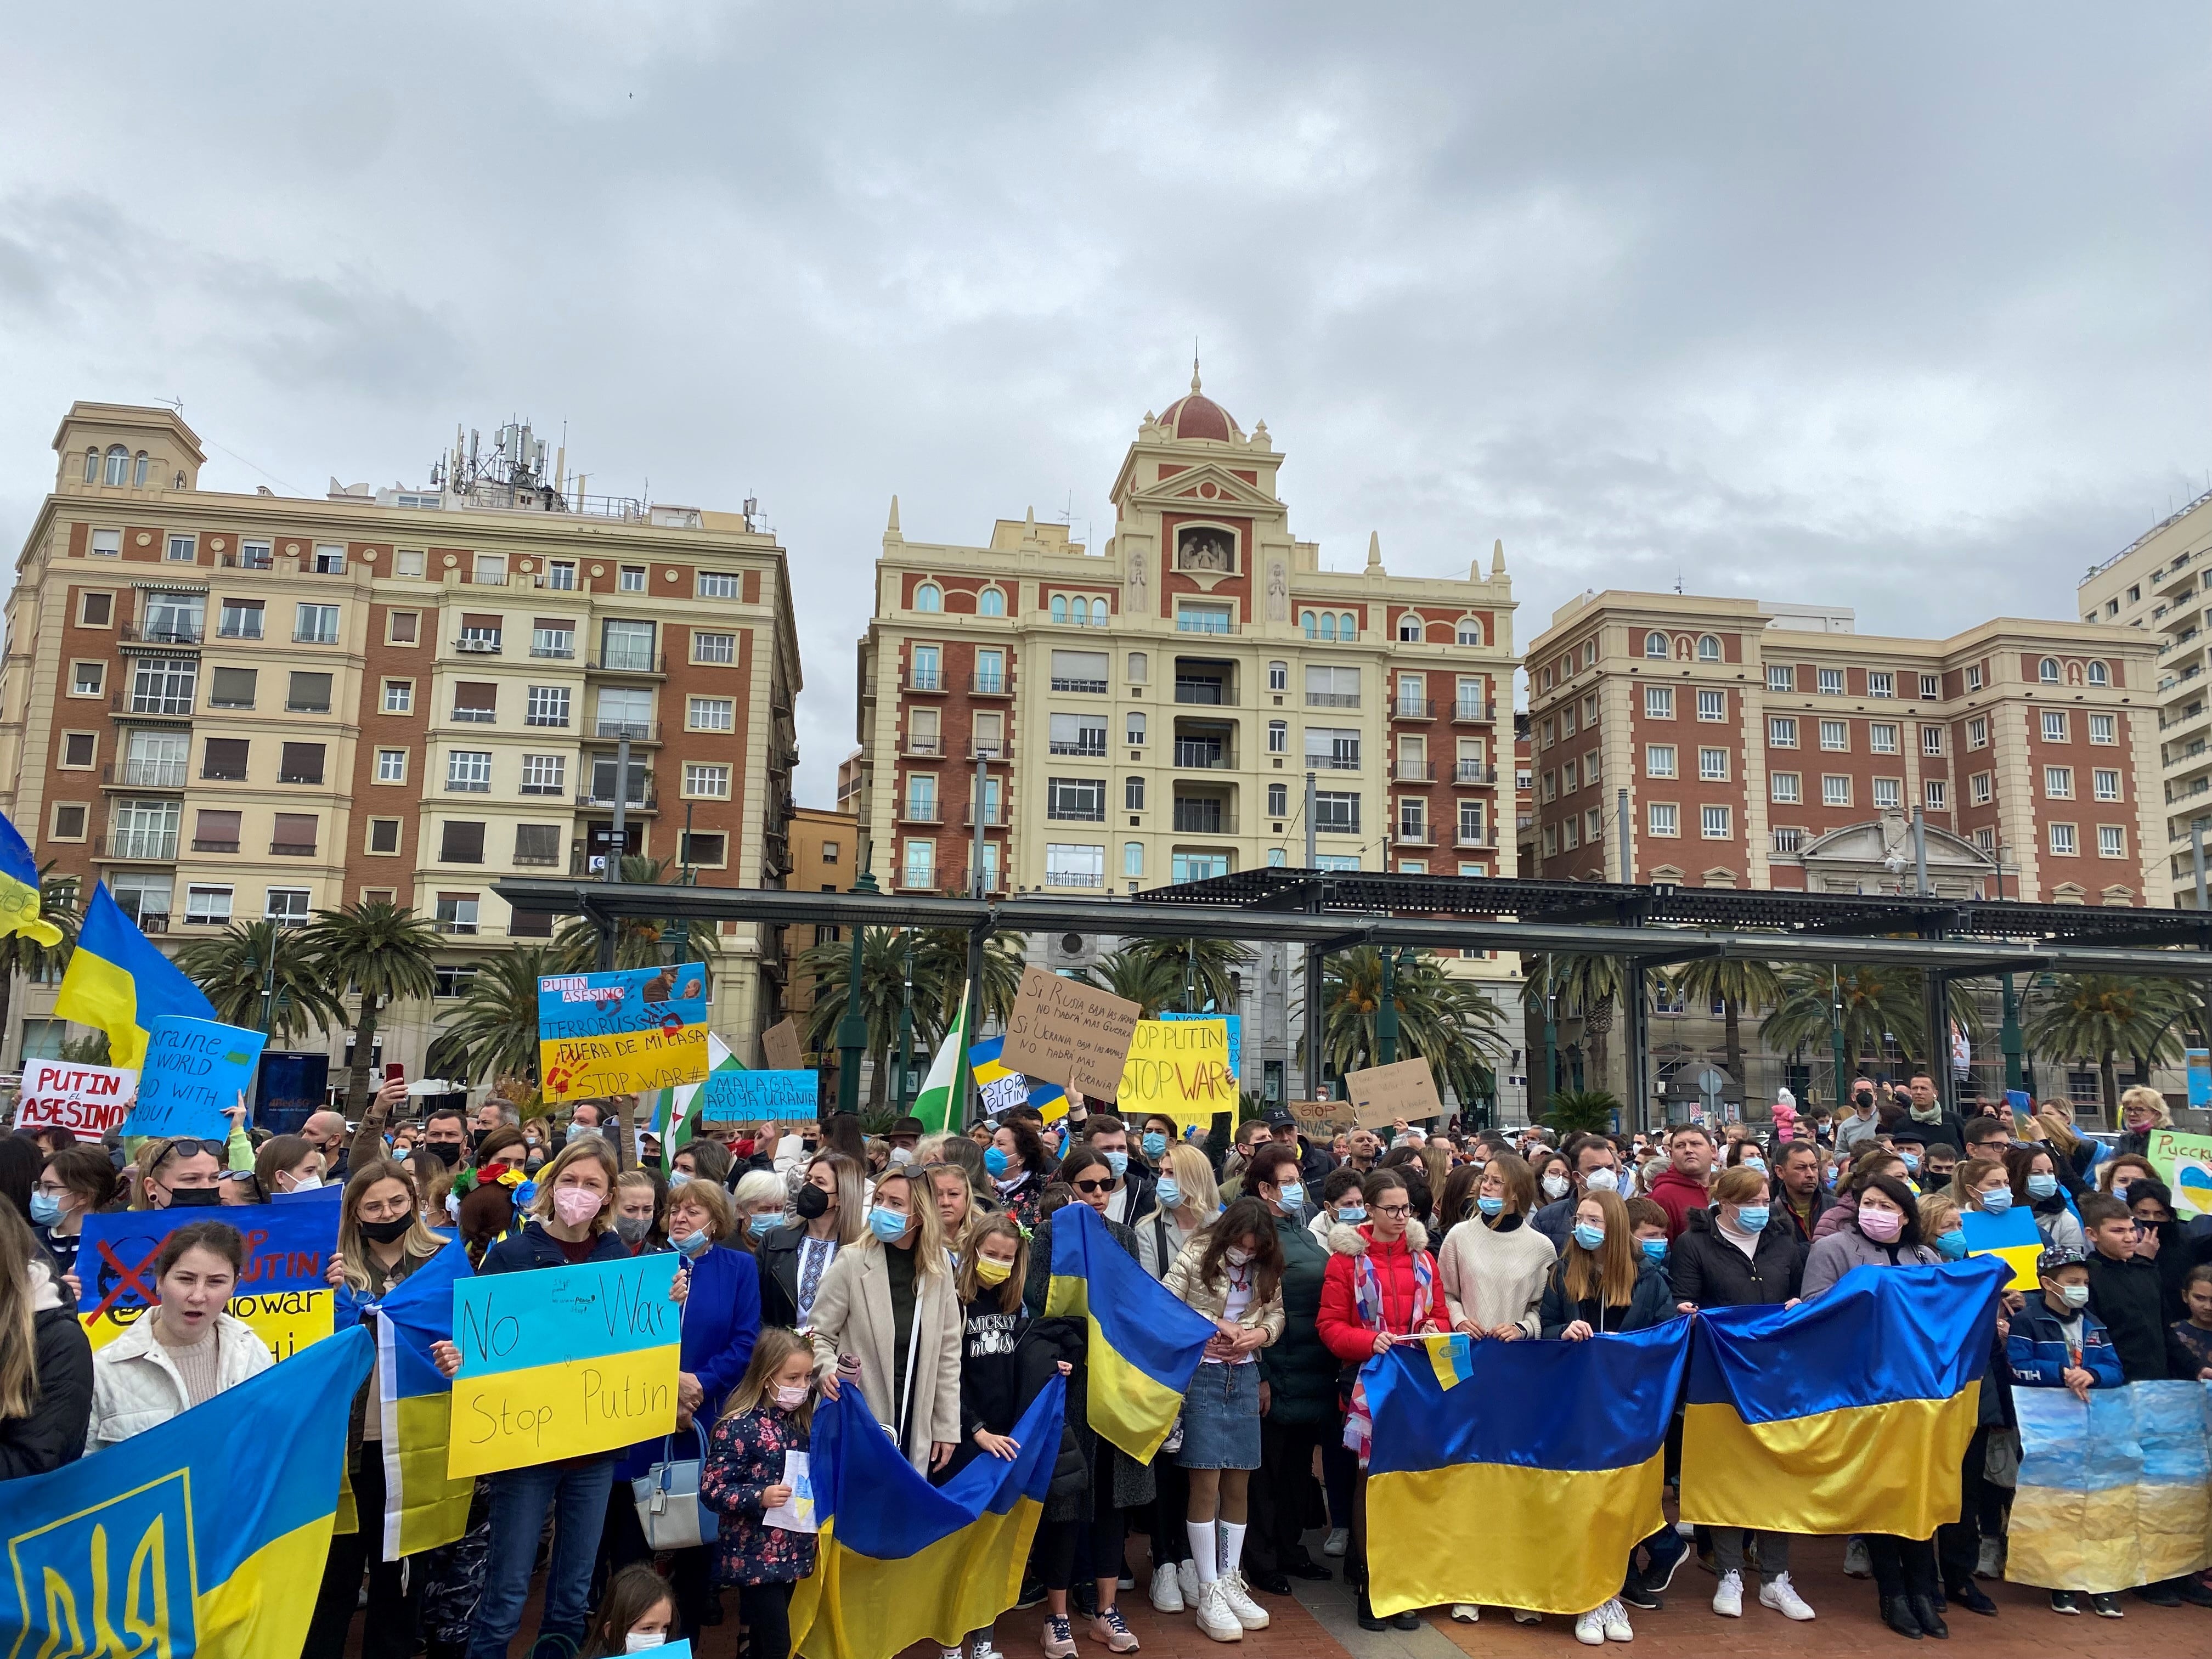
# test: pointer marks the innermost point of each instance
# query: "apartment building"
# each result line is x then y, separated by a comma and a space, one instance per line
1752, 745
2157, 584
234, 706
824, 858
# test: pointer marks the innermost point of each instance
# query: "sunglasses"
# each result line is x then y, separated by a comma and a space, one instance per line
213, 1149
1093, 1185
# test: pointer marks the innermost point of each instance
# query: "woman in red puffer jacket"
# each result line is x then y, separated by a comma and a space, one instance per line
1381, 1285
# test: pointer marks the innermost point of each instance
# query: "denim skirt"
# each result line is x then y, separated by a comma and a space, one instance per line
1221, 1419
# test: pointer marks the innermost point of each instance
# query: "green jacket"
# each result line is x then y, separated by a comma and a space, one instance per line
1299, 1371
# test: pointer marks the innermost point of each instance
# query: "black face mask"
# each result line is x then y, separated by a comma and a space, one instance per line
444, 1151
812, 1203
193, 1198
386, 1232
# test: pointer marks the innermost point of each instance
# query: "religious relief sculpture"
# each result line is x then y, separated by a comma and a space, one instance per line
1278, 590
1134, 598
1205, 548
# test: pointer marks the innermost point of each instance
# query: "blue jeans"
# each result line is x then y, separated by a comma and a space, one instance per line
576, 1494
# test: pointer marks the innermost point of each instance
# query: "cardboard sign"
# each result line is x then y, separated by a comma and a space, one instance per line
1322, 1121
86, 1100
1384, 1094
1076, 1036
780, 1048
2183, 1162
1003, 1088
1236, 1024
756, 1097
1178, 1068
283, 1292
2199, 1065
195, 1070
2013, 1236
564, 1362
622, 1033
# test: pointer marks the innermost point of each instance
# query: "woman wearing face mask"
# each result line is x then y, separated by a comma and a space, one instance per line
831, 1213
758, 1207
701, 1160
1494, 1264
1554, 1177
637, 1213
1983, 1184
287, 1163
185, 1350
1187, 1202
1343, 1204
1017, 1163
2143, 1113
1872, 1161
721, 1323
76, 1182
1746, 1154
381, 1242
46, 1362
179, 1172
2033, 1172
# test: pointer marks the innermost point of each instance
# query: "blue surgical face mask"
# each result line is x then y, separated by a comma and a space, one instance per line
1589, 1236
1911, 1159
45, 1208
890, 1225
2043, 1185
1997, 1200
1758, 1163
1751, 1217
1156, 1144
678, 1177
1655, 1249
1952, 1246
1118, 1162
1490, 1204
695, 1244
760, 1225
995, 1160
1351, 1214
1291, 1195
1171, 1193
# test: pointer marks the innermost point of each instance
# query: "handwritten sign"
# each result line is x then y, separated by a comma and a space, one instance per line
564, 1362
284, 1294
2183, 1162
1321, 1120
1236, 1024
754, 1096
1070, 1034
86, 1100
622, 1033
780, 1048
1382, 1094
1180, 1068
194, 1070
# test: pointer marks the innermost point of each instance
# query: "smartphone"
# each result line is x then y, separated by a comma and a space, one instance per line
395, 1073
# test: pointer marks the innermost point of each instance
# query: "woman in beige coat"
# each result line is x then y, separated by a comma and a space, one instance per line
889, 1304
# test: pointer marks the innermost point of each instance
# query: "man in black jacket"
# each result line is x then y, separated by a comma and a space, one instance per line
1799, 1201
1924, 1108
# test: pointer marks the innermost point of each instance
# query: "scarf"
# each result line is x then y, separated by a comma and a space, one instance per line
1367, 1300
1932, 1114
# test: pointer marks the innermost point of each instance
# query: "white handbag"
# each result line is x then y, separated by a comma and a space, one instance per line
668, 1508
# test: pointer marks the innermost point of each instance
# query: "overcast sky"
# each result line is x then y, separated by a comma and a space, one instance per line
1899, 306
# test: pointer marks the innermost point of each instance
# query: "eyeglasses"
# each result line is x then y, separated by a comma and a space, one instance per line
1093, 1185
213, 1149
1393, 1209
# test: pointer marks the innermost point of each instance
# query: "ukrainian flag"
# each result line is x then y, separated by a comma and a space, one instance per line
1145, 1344
422, 1507
1013, 1088
19, 889
2115, 1490
1529, 1489
205, 1535
2013, 1236
1847, 1413
899, 1561
119, 983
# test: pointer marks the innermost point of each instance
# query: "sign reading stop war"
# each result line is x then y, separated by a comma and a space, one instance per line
564, 1362
622, 1032
86, 1100
194, 1070
1070, 1034
1180, 1067
1384, 1094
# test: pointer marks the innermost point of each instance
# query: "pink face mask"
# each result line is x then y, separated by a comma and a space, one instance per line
1882, 1226
576, 1205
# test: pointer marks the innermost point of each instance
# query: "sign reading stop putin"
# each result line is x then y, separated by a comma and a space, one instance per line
86, 1100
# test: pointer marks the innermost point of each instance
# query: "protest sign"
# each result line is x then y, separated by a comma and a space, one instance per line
1070, 1034
1178, 1068
1321, 1120
86, 1100
780, 1048
195, 1071
1004, 1089
2012, 1236
622, 1033
756, 1097
1384, 1094
1236, 1024
2183, 1162
563, 1362
284, 1294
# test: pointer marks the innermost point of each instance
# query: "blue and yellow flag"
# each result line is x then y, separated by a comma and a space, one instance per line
19, 889
206, 1536
1145, 1344
899, 1561
1846, 1413
119, 983
2115, 1490
1527, 1489
1004, 1089
2013, 1236
422, 1507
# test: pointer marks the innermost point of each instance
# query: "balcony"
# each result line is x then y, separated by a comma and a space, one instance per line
654, 663
1219, 623
1089, 688
1209, 694
1413, 708
1480, 838
146, 846
607, 730
150, 704
1477, 772
1201, 756
200, 846
1787, 842
2187, 716
644, 801
1002, 753
256, 560
146, 774
155, 921
922, 679
477, 716
995, 819
917, 811
1413, 772
139, 633
1474, 714
314, 778
1414, 835
1079, 749
1204, 817
989, 685
1074, 878
925, 748
554, 647
1331, 700
292, 849
995, 881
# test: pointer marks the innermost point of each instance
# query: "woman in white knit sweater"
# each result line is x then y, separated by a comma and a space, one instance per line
1493, 1267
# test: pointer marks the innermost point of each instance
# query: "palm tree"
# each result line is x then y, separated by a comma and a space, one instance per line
235, 969
1442, 1018
639, 941
2078, 1016
386, 952
1583, 984
1135, 976
1734, 984
1878, 1001
21, 954
883, 992
1209, 964
494, 1030
1588, 1110
945, 950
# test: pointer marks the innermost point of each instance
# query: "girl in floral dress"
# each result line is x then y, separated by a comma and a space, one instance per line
770, 1412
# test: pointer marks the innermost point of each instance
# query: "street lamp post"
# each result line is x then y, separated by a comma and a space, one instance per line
1836, 1029
906, 1025
852, 1028
1386, 1012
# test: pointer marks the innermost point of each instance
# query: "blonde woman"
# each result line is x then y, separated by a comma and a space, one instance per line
897, 1279
1187, 1202
2142, 1112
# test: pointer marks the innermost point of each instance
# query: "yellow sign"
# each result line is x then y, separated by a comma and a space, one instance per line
288, 1321
1179, 1067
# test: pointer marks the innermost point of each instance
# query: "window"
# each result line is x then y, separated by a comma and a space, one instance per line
1197, 618
450, 982
173, 618
1278, 737
1785, 788
330, 559
991, 602
1411, 703
712, 715
562, 573
1713, 765
1835, 734
2047, 672
164, 685
1567, 776
231, 688
626, 646
286, 903
1059, 609
1931, 739
923, 734
1414, 820
1076, 734
238, 619
1781, 732
714, 647
1470, 632
2104, 728
630, 578
1881, 684
546, 705
537, 844
1977, 732
1132, 794
476, 702
461, 841
1659, 760
399, 697
2099, 675
929, 597
719, 585
990, 673
295, 836
1713, 705
700, 847
457, 912
1332, 687
1835, 791
69, 823
1071, 864
95, 610
2058, 782
1936, 794
1931, 687
1709, 648
1336, 812
1831, 682
300, 762
79, 749
87, 679
1888, 794
1659, 703
706, 781
921, 798
624, 713
2105, 782
1470, 704
207, 907
553, 637
1079, 798
829, 851
1714, 823
2112, 840
482, 632
1662, 819
384, 836
1470, 823
1278, 800
1974, 678
468, 771
2062, 843
1881, 737
1333, 748
217, 831
1134, 731
1140, 667
1980, 787
1079, 671
107, 544
1133, 858
544, 775
920, 867
308, 693
315, 624
1655, 647
2054, 725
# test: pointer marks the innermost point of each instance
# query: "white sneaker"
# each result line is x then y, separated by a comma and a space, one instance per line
1527, 1616
983, 1648
1340, 1540
1216, 1617
1589, 1629
1780, 1595
1466, 1612
1186, 1576
949, 1653
1615, 1617
1857, 1563
1249, 1613
1167, 1589
1728, 1598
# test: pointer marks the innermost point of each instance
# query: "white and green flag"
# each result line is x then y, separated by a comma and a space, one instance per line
676, 1111
940, 1105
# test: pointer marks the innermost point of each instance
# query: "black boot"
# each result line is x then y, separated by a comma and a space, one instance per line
1897, 1614
1931, 1622
1367, 1619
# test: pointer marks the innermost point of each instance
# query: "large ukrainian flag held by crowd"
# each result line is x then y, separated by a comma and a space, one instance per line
1145, 1344
1846, 1413
206, 1536
1518, 1474
899, 1561
119, 983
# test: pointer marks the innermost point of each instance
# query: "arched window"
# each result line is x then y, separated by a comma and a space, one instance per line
991, 602
1347, 629
1132, 794
1279, 677
1708, 647
1310, 629
1060, 607
119, 463
1655, 647
2047, 671
1409, 627
1328, 625
929, 597
138, 471
2099, 675
92, 467
1470, 631
1098, 613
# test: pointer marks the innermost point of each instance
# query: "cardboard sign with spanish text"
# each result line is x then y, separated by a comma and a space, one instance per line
1074, 1035
2183, 1163
86, 1100
780, 1048
622, 1033
1321, 1120
1384, 1094
1179, 1067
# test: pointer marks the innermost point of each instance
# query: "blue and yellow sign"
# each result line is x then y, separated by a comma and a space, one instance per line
622, 1033
284, 1293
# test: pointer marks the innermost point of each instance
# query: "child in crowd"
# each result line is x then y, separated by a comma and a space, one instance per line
1342, 1203
636, 1613
770, 1412
2124, 1291
2055, 1342
1647, 1219
2189, 1341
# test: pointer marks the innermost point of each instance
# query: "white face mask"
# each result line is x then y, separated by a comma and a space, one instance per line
638, 1641
307, 1183
1555, 1186
1601, 1181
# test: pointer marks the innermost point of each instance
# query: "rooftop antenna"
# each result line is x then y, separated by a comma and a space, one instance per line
1677, 579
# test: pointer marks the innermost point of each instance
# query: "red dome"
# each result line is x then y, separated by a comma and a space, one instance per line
1198, 416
